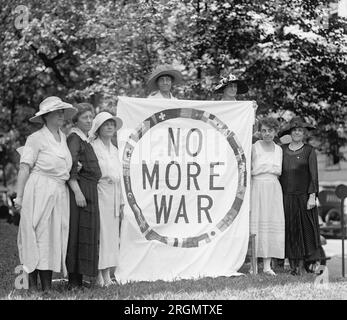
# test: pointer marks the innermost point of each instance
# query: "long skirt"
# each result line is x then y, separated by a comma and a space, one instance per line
83, 247
302, 229
44, 224
109, 226
267, 216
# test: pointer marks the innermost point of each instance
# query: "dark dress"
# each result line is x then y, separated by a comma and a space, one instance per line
299, 179
83, 245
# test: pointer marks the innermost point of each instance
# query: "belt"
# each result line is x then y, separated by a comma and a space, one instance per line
59, 180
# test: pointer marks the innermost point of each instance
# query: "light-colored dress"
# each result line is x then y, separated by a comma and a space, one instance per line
267, 214
110, 199
44, 224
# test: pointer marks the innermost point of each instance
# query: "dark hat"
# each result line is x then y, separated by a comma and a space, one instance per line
296, 122
224, 81
163, 70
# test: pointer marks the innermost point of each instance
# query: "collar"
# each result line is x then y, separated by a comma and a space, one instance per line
50, 135
79, 132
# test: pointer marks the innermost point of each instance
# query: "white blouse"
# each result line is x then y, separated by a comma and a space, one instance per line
110, 167
47, 156
266, 161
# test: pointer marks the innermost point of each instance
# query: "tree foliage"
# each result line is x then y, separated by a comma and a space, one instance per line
96, 50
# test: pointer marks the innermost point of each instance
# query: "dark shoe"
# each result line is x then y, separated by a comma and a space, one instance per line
294, 272
46, 279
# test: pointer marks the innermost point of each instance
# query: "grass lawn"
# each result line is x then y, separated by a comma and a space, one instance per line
283, 286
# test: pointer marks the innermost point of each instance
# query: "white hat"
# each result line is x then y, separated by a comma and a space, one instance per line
52, 104
98, 121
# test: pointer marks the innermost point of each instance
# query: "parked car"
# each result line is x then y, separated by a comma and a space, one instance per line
330, 212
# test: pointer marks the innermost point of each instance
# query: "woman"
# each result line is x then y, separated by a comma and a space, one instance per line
267, 216
230, 87
43, 196
83, 249
161, 80
109, 193
299, 182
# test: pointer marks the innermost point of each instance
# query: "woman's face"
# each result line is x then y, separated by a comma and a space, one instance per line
164, 83
297, 134
268, 134
85, 121
231, 89
108, 129
55, 118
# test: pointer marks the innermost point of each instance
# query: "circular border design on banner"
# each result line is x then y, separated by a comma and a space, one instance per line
221, 127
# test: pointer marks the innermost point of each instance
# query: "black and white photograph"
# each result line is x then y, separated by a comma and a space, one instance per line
173, 155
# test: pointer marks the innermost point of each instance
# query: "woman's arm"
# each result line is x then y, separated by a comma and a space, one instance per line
313, 186
23, 175
74, 144
80, 199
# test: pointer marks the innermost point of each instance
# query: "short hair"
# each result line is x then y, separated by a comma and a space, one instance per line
82, 108
269, 122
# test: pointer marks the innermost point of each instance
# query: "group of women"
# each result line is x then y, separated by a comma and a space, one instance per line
284, 186
69, 191
71, 227
284, 215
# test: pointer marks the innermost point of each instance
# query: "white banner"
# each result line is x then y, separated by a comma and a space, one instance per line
186, 176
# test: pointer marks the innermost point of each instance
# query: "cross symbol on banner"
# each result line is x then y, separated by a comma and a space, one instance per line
162, 116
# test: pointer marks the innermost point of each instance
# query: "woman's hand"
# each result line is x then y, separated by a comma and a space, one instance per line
311, 203
80, 199
255, 105
18, 204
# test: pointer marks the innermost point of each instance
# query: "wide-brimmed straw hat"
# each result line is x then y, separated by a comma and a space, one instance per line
296, 122
98, 121
224, 81
51, 104
163, 70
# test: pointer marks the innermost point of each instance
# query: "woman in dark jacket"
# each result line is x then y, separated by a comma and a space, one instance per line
83, 246
299, 182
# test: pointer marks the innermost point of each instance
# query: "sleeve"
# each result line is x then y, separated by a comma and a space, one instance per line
74, 145
312, 162
31, 150
280, 160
